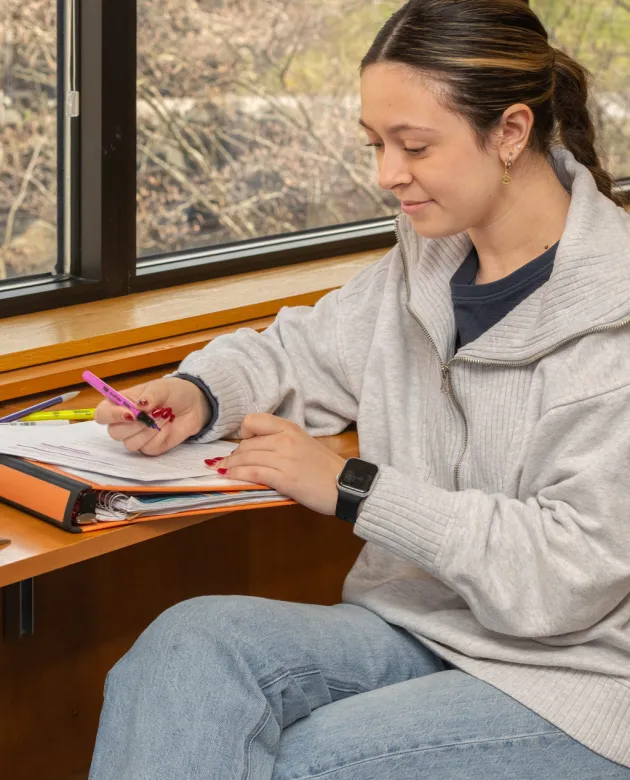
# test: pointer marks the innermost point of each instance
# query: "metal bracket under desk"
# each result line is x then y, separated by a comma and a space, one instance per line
18, 610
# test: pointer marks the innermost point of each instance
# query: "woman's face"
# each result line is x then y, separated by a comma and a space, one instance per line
428, 155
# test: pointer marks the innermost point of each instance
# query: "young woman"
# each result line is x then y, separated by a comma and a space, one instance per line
485, 629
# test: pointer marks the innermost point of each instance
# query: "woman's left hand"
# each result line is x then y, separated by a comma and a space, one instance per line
280, 454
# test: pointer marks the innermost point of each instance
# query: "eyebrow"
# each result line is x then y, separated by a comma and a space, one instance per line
400, 127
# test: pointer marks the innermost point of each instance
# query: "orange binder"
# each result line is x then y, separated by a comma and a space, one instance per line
69, 502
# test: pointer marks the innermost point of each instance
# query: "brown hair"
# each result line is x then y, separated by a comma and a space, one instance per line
492, 54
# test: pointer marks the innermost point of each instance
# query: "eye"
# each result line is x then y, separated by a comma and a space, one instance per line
413, 152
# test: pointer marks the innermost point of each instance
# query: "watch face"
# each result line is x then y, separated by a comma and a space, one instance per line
358, 475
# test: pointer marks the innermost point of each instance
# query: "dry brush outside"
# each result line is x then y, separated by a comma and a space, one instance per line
247, 119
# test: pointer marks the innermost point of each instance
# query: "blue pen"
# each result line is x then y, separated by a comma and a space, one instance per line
38, 407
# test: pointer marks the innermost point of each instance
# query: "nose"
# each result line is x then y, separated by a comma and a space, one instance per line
393, 170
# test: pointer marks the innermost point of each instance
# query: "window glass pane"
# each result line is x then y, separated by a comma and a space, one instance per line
247, 112
247, 119
28, 137
597, 34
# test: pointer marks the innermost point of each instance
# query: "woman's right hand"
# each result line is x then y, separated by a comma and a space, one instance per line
190, 412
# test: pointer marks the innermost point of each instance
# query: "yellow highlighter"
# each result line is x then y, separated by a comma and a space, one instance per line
61, 414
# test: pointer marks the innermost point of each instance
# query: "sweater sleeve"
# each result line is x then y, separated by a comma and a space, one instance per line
293, 369
299, 367
555, 560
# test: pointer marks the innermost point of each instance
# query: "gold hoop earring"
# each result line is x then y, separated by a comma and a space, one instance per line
508, 164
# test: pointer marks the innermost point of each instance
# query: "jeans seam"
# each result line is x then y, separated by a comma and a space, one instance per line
554, 734
258, 728
303, 671
334, 685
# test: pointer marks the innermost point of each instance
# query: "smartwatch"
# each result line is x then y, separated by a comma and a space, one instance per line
354, 484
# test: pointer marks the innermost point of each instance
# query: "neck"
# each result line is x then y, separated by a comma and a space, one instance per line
530, 218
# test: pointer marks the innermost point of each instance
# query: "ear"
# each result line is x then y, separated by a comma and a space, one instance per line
514, 131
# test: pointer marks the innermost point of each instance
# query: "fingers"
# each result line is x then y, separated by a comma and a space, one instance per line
266, 459
107, 413
147, 397
257, 475
267, 433
250, 467
262, 424
257, 443
170, 436
138, 438
125, 430
137, 442
138, 394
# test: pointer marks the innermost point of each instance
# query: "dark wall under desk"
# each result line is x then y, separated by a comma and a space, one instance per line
88, 614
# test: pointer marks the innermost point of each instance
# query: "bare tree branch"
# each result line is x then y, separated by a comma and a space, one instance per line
19, 199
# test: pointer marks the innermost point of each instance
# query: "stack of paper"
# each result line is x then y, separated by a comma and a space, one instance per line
130, 485
118, 506
87, 447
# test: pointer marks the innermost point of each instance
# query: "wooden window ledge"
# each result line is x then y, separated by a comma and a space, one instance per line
48, 350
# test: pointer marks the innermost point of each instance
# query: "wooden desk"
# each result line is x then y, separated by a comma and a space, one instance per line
95, 593
37, 547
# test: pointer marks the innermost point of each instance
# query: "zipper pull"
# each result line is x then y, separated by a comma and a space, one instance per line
445, 388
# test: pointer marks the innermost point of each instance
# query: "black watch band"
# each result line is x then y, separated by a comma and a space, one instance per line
348, 507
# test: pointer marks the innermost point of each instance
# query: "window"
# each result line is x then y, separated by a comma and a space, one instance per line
247, 120
28, 138
146, 143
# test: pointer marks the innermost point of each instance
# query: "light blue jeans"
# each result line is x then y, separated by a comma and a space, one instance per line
240, 688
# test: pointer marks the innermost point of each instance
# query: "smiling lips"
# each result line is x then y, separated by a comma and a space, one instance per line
415, 206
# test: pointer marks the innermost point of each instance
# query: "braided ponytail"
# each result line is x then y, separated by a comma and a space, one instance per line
575, 124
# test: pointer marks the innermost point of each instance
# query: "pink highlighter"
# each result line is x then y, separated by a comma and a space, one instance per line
116, 398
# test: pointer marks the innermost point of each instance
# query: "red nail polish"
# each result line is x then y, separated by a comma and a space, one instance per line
165, 414
222, 471
168, 409
211, 461
129, 417
157, 412
143, 402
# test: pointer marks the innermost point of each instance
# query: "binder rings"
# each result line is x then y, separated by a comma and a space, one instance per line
70, 502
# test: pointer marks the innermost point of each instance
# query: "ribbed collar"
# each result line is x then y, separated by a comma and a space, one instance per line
588, 288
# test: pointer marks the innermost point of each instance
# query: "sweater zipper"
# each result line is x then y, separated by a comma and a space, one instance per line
445, 368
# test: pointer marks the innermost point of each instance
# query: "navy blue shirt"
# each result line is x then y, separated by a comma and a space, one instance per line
478, 307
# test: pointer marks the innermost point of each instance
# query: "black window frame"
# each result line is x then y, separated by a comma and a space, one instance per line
104, 258
104, 261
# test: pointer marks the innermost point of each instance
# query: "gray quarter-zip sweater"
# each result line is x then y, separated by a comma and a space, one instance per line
499, 527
